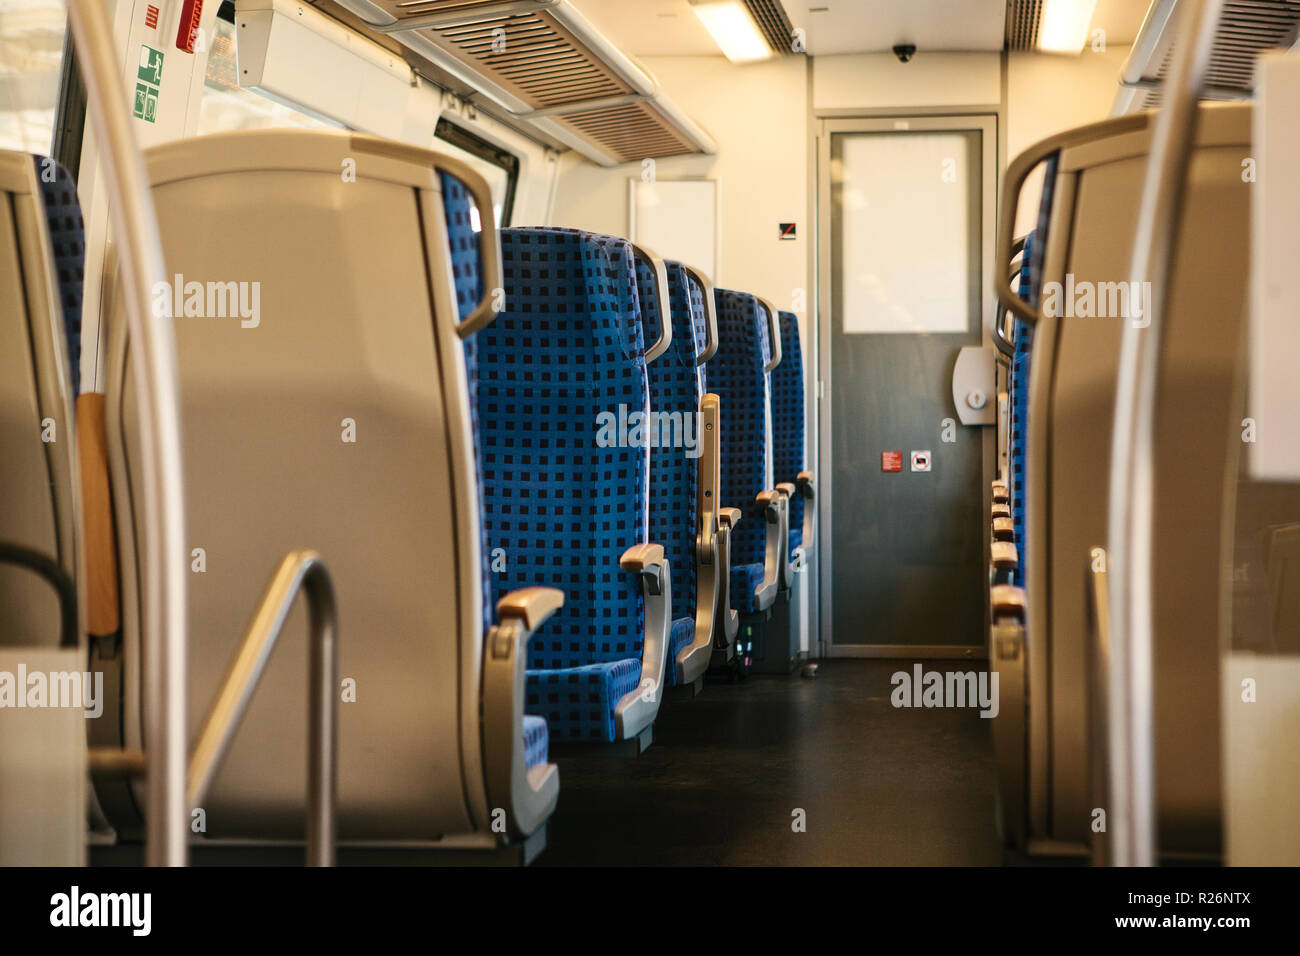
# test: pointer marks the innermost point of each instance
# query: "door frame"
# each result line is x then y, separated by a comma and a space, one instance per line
989, 121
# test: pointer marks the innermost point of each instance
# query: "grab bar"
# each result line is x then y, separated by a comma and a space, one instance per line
1099, 663
58, 579
153, 354
663, 305
301, 570
1013, 180
1131, 509
710, 313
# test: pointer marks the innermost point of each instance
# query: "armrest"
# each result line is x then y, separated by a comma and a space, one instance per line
807, 486
715, 623
777, 572
1001, 511
1000, 493
531, 605
1007, 600
648, 561
1003, 529
527, 796
786, 488
638, 708
1003, 555
641, 557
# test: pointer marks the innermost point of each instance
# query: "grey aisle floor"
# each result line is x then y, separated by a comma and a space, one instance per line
878, 785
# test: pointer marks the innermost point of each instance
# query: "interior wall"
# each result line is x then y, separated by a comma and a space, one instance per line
758, 114
1048, 94
876, 81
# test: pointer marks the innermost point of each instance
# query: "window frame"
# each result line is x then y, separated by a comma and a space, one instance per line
453, 133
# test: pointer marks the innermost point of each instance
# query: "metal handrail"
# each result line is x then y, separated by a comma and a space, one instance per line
773, 333
1099, 663
710, 312
301, 570
153, 354
663, 305
57, 578
1131, 510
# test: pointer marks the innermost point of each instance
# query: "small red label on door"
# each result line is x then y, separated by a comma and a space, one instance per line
151, 17
891, 461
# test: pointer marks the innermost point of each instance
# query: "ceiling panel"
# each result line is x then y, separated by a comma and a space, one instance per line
650, 27
872, 26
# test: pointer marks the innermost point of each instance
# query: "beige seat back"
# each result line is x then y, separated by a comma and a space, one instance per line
1072, 389
323, 405
38, 455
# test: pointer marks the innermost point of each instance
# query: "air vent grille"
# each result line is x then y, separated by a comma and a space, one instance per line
1246, 29
546, 65
629, 132
771, 18
407, 9
532, 56
1023, 17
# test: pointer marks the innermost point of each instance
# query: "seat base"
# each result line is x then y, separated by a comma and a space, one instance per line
686, 691
632, 747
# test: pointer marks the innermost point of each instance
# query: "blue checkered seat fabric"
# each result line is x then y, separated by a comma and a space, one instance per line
1031, 268
736, 376
68, 250
467, 273
788, 421
563, 499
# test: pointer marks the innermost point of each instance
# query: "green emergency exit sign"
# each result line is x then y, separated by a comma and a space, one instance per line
148, 81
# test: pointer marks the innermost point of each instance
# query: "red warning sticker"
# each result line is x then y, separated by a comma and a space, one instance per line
891, 461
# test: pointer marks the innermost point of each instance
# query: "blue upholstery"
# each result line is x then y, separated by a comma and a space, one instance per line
535, 741
68, 250
682, 633
745, 579
467, 273
788, 421
736, 376
567, 348
1031, 270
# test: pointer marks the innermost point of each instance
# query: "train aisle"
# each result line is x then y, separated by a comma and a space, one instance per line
879, 785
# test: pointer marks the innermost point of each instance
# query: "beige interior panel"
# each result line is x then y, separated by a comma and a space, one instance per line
1194, 418
345, 333
30, 608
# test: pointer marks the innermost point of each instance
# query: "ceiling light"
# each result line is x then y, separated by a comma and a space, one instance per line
732, 29
1064, 25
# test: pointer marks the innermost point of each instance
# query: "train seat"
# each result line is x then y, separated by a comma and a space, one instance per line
40, 297
324, 404
467, 276
1077, 299
788, 426
562, 394
683, 456
748, 350
41, 580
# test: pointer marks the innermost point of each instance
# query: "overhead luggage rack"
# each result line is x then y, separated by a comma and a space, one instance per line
541, 61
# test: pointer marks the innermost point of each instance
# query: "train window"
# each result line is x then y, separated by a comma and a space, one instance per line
31, 51
228, 106
499, 167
